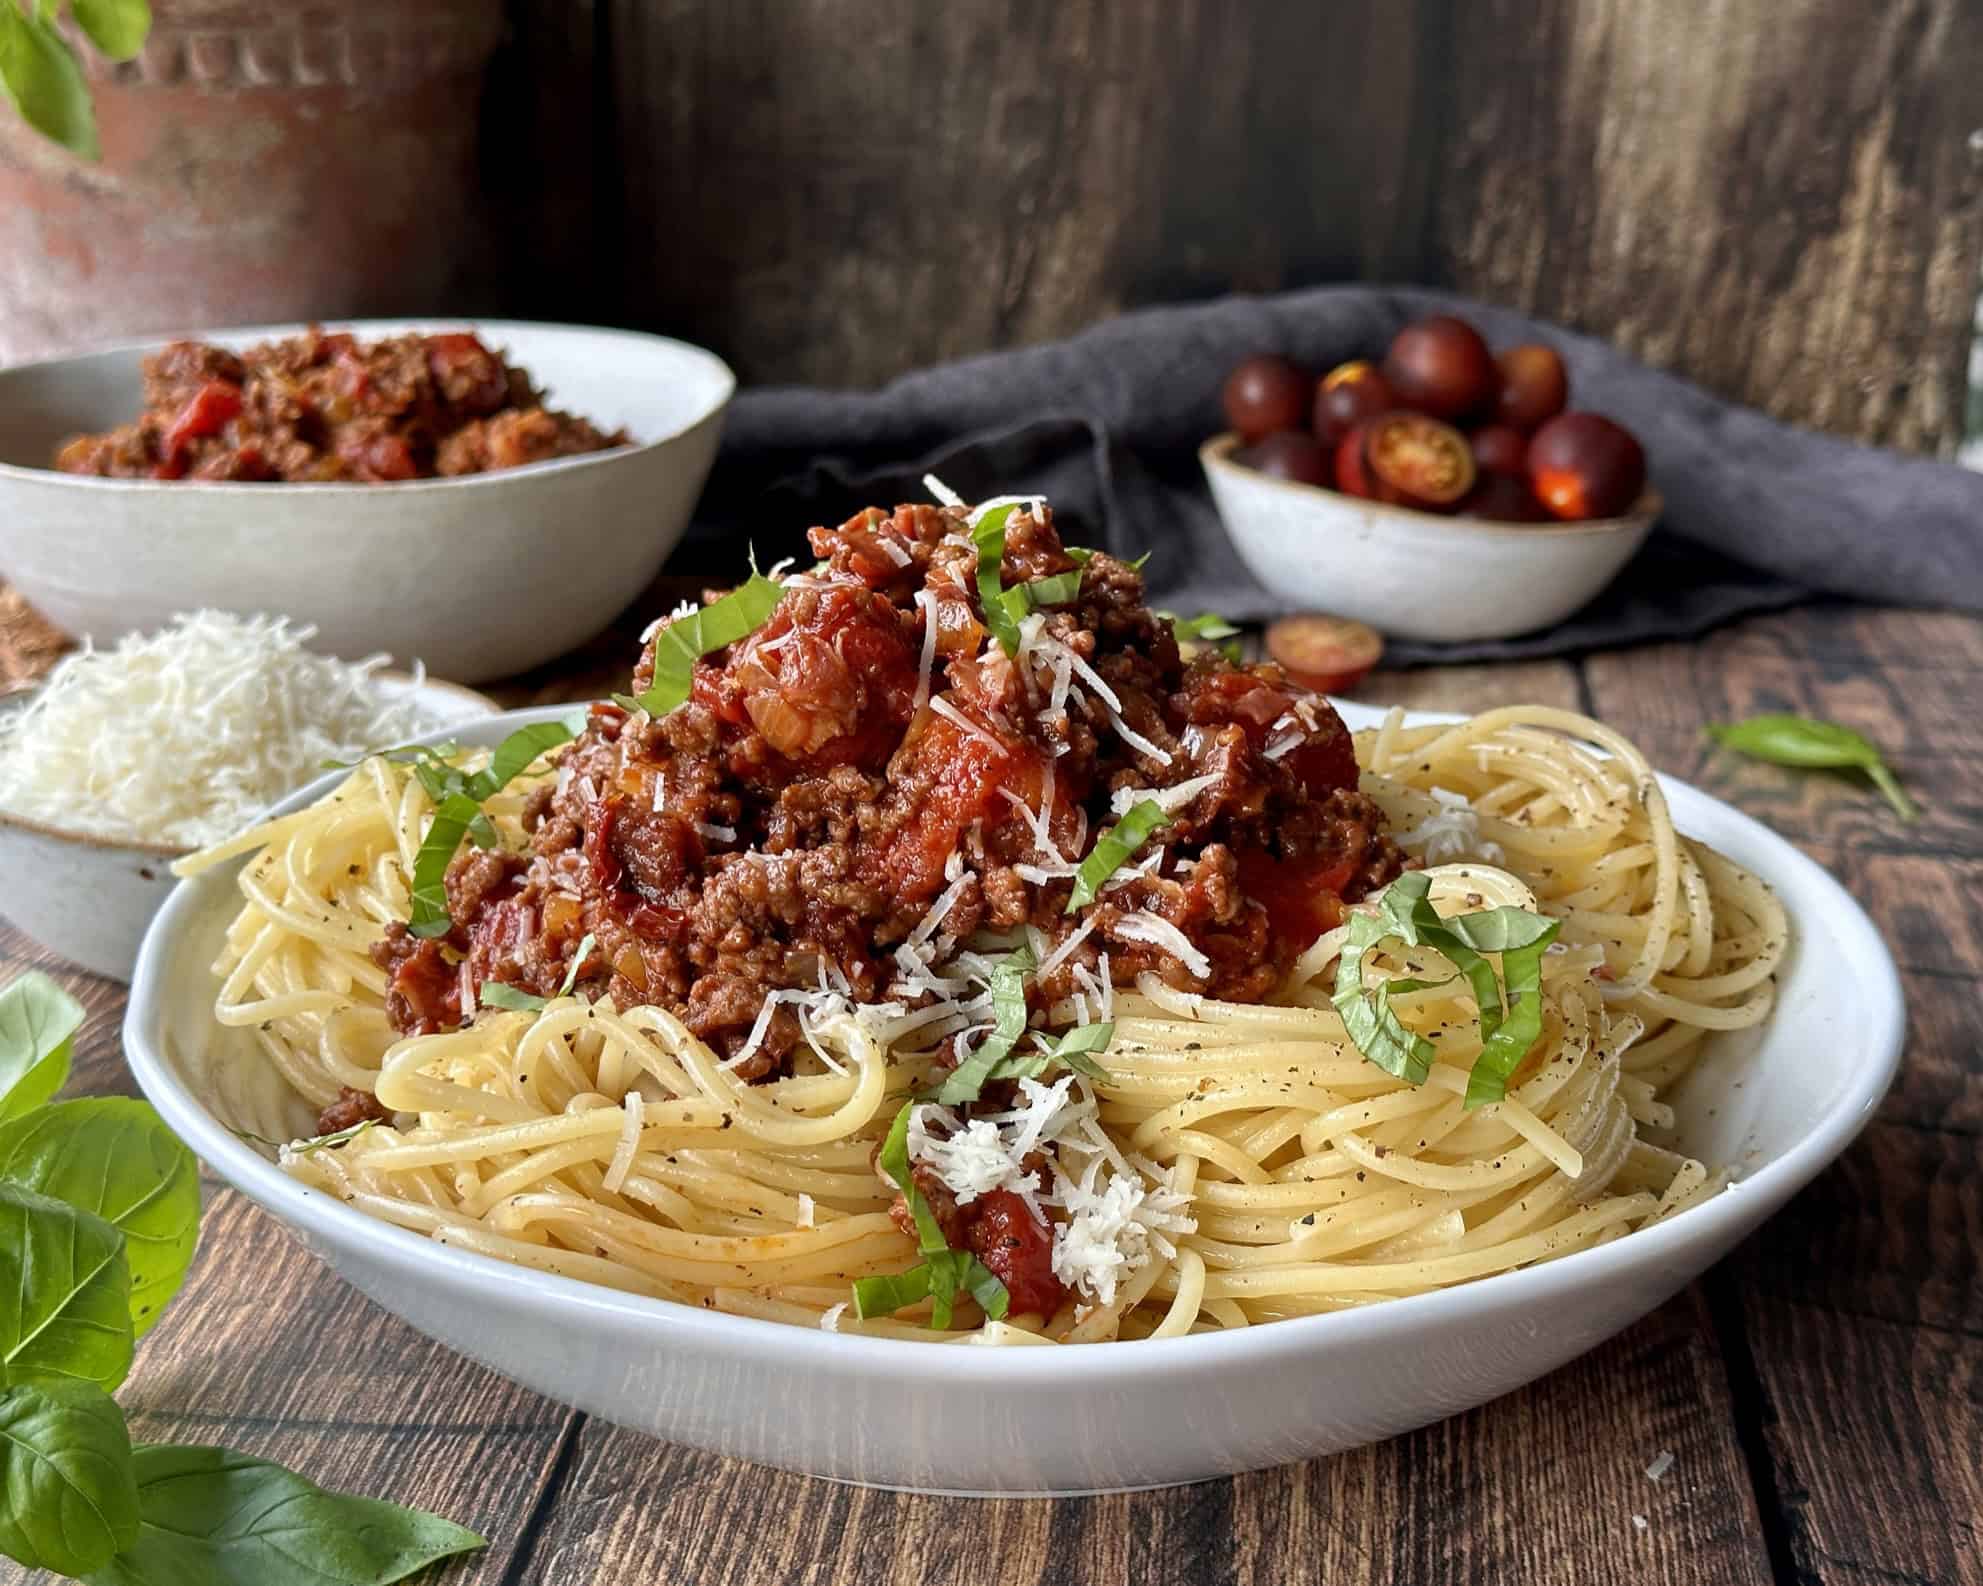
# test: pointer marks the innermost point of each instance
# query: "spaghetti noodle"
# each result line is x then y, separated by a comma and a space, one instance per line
1238, 1163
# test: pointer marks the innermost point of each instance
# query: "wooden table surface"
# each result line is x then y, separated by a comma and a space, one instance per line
1821, 1392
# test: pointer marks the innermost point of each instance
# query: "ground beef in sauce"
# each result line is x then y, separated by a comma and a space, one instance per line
801, 813
322, 407
352, 1108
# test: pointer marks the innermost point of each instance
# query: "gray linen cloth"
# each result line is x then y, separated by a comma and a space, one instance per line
1759, 514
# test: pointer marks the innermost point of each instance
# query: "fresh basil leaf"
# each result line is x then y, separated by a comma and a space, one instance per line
1206, 625
989, 537
41, 77
68, 1497
1380, 1035
65, 1293
1113, 849
113, 1156
587, 945
894, 1160
520, 751
118, 28
38, 1024
1803, 742
482, 831
430, 866
212, 1517
683, 642
1008, 996
892, 1292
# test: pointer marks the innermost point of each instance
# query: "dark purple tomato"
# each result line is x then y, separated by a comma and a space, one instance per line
1582, 465
1267, 394
1535, 387
1415, 461
1441, 366
1499, 449
1289, 454
1503, 498
1349, 394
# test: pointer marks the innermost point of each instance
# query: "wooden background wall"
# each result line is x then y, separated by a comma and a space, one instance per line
1780, 198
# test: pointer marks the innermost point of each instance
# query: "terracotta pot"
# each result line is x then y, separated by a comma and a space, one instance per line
262, 160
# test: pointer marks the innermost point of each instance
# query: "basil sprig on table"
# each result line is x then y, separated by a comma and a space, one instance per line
1114, 849
1510, 1021
687, 639
40, 74
99, 1216
458, 797
943, 1273
1824, 745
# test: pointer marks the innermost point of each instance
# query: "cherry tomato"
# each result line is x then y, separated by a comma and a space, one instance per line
1534, 386
1267, 394
1327, 654
1349, 394
1441, 366
1503, 498
1584, 466
1500, 449
1352, 468
1289, 454
1415, 461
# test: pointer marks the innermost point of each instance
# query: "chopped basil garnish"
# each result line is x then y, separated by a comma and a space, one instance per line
686, 640
1070, 1050
1207, 627
1114, 849
989, 537
1055, 591
943, 1273
315, 1142
451, 821
458, 797
1510, 1022
1008, 996
495, 994
1800, 741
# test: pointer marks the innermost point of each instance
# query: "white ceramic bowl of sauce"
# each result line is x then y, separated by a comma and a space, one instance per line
482, 575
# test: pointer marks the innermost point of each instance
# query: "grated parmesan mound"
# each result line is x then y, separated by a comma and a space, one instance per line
186, 736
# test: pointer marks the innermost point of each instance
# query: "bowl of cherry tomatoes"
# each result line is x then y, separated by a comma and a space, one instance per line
1441, 492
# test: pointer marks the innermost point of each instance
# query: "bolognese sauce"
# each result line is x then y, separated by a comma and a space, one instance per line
323, 407
867, 780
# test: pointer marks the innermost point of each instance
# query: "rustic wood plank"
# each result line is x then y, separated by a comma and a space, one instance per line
835, 193
1779, 200
1851, 1326
1473, 688
1536, 1486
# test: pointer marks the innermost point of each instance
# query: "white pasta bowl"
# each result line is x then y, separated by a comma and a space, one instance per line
481, 576
88, 899
1775, 1105
1415, 575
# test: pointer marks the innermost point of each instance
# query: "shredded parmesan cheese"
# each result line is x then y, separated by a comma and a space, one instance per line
806, 1210
956, 717
1168, 799
186, 736
1143, 926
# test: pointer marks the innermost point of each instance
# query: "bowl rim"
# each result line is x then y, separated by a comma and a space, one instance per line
1217, 453
485, 708
193, 489
326, 1223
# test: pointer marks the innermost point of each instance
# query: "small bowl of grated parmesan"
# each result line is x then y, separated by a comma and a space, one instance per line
124, 759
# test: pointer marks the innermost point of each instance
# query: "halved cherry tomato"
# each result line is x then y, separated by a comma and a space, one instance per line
1327, 654
1415, 461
